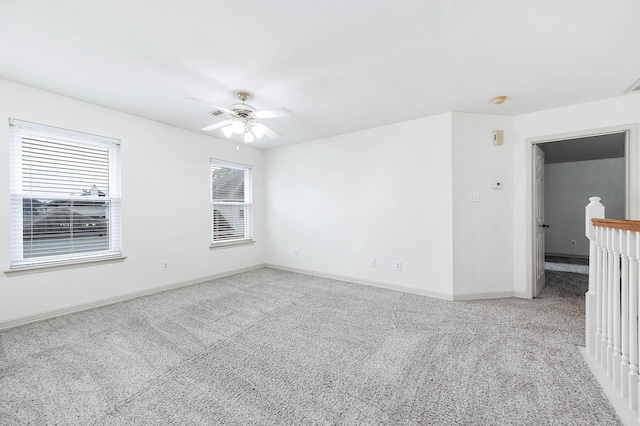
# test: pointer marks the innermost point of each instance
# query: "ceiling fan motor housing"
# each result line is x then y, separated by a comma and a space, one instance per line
243, 110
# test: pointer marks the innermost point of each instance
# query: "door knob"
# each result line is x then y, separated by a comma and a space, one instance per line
544, 225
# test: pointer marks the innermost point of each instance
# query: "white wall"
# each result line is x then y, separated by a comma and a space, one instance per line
567, 186
397, 192
573, 121
482, 231
382, 193
165, 206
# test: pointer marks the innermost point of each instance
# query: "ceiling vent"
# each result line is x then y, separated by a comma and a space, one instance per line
635, 87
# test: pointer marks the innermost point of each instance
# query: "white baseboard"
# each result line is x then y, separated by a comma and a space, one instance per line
388, 286
522, 295
484, 295
14, 322
406, 289
575, 256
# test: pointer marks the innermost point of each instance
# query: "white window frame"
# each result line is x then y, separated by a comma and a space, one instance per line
247, 205
113, 247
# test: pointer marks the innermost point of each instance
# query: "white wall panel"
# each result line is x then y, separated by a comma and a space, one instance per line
482, 231
383, 193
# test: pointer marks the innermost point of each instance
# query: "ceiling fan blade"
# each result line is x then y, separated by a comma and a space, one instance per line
272, 113
228, 111
217, 125
258, 130
269, 132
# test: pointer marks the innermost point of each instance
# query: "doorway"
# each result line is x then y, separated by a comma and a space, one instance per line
566, 172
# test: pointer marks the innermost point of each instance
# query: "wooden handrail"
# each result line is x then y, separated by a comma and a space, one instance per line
625, 225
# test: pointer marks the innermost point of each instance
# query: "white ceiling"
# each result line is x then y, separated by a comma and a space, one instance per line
338, 65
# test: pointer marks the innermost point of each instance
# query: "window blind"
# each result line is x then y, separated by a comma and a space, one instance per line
231, 202
65, 196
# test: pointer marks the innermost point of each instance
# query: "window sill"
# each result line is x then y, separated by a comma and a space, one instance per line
23, 270
226, 244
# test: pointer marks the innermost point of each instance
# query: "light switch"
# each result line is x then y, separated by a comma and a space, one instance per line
498, 137
475, 197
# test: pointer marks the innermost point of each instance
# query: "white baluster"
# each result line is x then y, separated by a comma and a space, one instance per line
617, 348
593, 210
624, 311
605, 298
600, 293
611, 315
634, 241
635, 354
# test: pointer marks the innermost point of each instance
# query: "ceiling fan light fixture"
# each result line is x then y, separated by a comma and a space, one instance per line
228, 131
243, 119
238, 127
258, 130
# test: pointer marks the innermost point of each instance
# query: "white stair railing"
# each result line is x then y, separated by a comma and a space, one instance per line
612, 300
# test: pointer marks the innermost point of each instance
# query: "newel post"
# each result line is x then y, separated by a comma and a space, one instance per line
594, 210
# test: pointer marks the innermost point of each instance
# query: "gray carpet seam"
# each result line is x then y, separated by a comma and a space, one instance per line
190, 359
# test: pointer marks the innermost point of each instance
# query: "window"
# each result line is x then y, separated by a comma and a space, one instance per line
231, 205
65, 196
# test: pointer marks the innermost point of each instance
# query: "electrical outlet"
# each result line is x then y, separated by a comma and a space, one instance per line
165, 266
572, 242
372, 262
398, 265
296, 253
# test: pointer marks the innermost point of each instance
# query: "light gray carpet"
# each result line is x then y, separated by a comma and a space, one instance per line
567, 267
272, 347
578, 265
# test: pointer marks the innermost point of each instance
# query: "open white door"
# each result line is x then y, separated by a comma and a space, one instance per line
539, 225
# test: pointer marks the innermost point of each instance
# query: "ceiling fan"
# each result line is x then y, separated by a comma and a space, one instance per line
243, 119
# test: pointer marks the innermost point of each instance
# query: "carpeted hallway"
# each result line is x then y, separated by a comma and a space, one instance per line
273, 347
